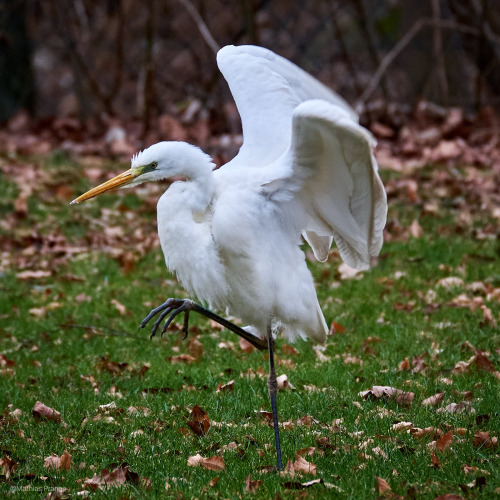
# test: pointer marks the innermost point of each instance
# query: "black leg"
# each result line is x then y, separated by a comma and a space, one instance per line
273, 389
173, 307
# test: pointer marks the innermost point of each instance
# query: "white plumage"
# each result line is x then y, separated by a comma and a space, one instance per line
233, 235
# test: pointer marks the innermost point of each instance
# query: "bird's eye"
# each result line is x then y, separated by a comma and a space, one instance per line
154, 164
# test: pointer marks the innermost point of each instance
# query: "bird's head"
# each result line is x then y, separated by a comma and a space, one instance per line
165, 160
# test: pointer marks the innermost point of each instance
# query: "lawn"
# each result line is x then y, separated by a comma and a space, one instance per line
141, 418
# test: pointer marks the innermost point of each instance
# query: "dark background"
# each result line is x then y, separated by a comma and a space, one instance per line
126, 59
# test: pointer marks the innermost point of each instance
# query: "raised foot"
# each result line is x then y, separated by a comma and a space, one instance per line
173, 307
170, 308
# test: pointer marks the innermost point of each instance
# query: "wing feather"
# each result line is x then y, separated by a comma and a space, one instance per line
335, 181
267, 88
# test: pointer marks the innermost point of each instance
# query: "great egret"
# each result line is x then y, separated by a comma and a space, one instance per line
233, 235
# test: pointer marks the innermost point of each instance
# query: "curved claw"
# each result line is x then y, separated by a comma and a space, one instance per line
161, 317
166, 305
183, 308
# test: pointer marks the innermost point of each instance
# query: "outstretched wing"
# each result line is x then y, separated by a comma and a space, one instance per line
267, 88
330, 177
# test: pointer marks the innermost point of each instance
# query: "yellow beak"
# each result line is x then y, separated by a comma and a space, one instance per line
114, 183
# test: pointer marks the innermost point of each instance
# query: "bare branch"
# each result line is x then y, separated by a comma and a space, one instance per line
406, 39
203, 28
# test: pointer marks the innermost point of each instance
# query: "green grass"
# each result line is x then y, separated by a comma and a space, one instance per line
50, 354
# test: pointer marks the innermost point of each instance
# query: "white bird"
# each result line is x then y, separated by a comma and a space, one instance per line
233, 235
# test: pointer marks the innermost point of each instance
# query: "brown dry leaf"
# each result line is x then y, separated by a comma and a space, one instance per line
195, 460
115, 478
482, 362
5, 362
449, 496
8, 465
444, 442
432, 432
213, 463
462, 407
311, 450
245, 346
120, 307
288, 349
65, 461
195, 349
283, 383
318, 349
469, 469
382, 485
302, 466
402, 426
434, 400
198, 421
289, 470
182, 358
229, 387
335, 328
483, 439
404, 365
435, 462
93, 483
251, 486
42, 412
213, 482
388, 393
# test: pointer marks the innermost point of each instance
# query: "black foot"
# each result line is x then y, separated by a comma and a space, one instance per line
170, 308
173, 307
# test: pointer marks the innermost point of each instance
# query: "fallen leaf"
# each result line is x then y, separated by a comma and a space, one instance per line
382, 486
119, 307
42, 412
214, 463
483, 439
335, 328
404, 365
198, 421
463, 407
288, 349
469, 469
434, 400
229, 387
445, 441
283, 383
245, 346
402, 426
251, 486
182, 358
301, 465
213, 482
388, 393
435, 461
8, 465
195, 460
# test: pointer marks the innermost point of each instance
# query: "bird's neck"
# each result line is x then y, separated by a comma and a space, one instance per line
201, 188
